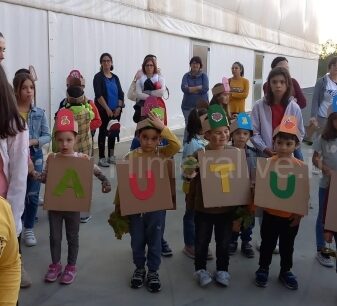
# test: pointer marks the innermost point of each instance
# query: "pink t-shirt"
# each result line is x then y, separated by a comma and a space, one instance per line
3, 180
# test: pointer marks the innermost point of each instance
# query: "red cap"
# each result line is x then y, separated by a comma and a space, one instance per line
65, 121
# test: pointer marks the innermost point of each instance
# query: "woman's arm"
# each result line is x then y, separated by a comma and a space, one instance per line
244, 93
159, 92
139, 91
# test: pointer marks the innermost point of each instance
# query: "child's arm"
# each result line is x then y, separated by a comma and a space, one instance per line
35, 175
106, 186
173, 146
318, 162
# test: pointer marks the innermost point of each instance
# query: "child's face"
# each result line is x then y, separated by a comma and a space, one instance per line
149, 140
224, 98
283, 147
66, 142
27, 92
218, 137
278, 85
240, 137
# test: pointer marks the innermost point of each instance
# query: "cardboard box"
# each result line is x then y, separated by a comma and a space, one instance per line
331, 209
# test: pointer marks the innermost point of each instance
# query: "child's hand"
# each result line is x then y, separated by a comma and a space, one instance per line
155, 121
328, 237
269, 152
326, 170
30, 166
189, 167
236, 226
295, 220
106, 187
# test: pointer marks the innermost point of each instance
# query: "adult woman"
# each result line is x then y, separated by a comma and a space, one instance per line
195, 87
2, 47
109, 99
150, 83
239, 89
14, 145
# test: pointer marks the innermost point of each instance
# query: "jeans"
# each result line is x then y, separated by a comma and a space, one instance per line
186, 113
273, 228
189, 228
33, 191
322, 198
245, 234
72, 223
298, 154
146, 230
204, 224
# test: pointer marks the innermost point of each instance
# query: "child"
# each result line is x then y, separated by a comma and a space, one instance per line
39, 135
65, 134
325, 158
221, 97
279, 224
146, 228
241, 131
194, 143
216, 131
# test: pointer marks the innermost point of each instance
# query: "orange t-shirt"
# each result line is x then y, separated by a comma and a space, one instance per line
276, 212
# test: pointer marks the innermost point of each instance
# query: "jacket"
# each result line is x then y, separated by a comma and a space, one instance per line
318, 95
262, 123
14, 152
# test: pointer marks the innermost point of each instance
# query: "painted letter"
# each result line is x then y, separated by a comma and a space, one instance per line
224, 170
143, 194
71, 180
286, 193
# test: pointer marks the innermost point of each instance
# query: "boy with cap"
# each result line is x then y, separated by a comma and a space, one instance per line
66, 131
216, 131
146, 228
278, 224
241, 130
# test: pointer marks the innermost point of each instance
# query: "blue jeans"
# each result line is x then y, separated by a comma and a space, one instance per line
322, 195
146, 230
245, 234
33, 191
298, 154
189, 227
186, 113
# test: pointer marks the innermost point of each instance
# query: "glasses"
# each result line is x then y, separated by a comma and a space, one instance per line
149, 65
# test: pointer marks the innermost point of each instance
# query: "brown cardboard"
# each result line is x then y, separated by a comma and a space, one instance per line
67, 200
158, 195
331, 210
233, 191
294, 201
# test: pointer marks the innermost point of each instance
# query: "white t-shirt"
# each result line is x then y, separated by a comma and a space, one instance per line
330, 92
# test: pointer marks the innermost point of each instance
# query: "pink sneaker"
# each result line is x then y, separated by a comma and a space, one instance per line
54, 271
68, 275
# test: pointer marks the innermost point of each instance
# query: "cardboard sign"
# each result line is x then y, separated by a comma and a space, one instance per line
331, 209
69, 184
144, 185
282, 185
224, 177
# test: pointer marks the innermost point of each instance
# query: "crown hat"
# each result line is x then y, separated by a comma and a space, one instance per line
65, 121
288, 125
242, 121
215, 117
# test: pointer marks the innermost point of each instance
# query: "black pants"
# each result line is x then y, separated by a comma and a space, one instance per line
72, 223
103, 133
204, 224
272, 229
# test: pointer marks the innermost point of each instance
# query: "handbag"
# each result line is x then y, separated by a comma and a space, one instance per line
132, 95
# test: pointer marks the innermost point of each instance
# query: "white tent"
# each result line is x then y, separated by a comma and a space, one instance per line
58, 36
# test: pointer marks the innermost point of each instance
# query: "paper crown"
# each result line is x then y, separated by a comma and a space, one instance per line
113, 128
74, 76
333, 107
215, 117
219, 88
242, 121
65, 121
152, 104
288, 125
225, 83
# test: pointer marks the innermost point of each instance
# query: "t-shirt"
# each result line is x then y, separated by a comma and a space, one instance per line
112, 91
3, 180
277, 113
328, 151
24, 115
329, 93
10, 263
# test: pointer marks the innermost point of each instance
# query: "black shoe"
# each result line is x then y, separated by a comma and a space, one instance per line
261, 277
153, 283
232, 248
166, 250
288, 280
137, 279
247, 250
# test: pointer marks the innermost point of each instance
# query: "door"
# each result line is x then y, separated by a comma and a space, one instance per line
258, 81
202, 50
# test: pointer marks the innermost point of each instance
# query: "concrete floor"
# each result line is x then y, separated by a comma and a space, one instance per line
105, 265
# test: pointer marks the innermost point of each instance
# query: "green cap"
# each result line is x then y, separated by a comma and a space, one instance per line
216, 117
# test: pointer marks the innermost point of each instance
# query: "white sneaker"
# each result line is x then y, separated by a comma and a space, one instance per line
111, 160
103, 163
324, 260
222, 277
203, 277
29, 237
